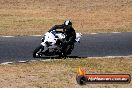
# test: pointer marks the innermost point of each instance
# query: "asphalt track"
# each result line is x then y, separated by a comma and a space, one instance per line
92, 45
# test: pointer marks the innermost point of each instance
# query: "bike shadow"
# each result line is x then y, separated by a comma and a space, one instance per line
57, 57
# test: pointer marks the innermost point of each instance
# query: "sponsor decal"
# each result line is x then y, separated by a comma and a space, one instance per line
83, 78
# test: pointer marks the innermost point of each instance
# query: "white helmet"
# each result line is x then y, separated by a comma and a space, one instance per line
67, 22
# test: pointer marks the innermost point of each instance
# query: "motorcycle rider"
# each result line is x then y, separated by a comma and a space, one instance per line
69, 32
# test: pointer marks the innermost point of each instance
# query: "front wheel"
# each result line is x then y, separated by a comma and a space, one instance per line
38, 51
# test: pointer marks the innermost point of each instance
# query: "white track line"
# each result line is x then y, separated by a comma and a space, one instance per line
4, 63
16, 36
93, 33
33, 60
111, 57
36, 35
116, 32
104, 32
7, 36
87, 33
22, 61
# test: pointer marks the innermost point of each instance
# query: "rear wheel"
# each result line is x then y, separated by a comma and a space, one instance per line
38, 51
62, 55
69, 49
66, 51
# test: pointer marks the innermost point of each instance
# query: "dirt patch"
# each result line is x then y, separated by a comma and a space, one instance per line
62, 73
29, 17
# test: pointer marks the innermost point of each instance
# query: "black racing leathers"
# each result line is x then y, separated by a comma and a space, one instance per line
68, 31
70, 36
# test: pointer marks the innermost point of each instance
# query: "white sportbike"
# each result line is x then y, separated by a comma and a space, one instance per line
52, 45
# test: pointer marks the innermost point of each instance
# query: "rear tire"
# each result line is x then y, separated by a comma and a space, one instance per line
66, 51
62, 56
38, 51
69, 49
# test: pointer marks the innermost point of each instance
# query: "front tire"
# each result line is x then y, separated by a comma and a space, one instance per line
38, 51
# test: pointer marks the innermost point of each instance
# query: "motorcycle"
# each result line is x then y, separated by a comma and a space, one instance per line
52, 43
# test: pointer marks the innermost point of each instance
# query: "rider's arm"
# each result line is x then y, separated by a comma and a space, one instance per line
73, 37
56, 27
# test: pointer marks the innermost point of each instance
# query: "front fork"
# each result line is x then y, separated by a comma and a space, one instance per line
45, 46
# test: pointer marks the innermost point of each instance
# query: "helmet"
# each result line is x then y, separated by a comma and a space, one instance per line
67, 22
